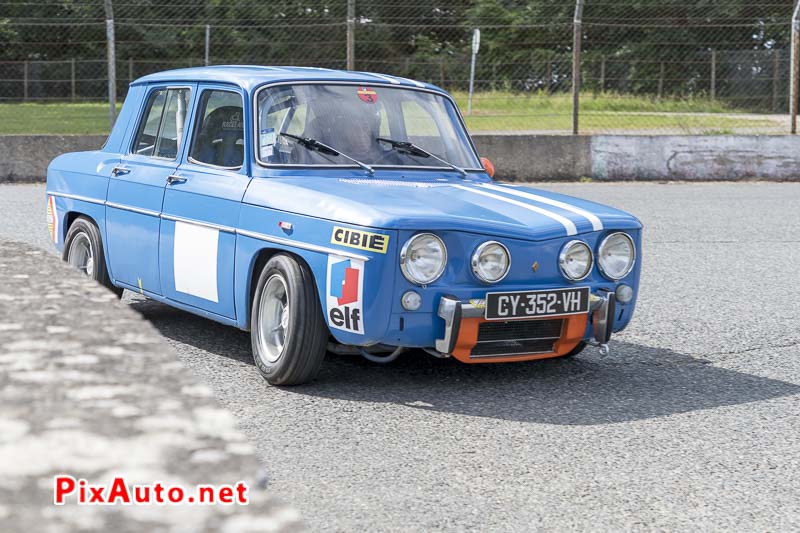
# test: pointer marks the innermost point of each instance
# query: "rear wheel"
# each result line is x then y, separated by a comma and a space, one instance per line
83, 249
287, 331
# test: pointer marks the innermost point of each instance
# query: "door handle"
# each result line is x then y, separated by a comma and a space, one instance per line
120, 171
173, 179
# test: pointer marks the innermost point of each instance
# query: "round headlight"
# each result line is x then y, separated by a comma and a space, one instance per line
423, 258
575, 260
491, 262
616, 256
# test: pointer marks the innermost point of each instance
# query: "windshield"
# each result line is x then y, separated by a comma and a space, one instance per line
351, 118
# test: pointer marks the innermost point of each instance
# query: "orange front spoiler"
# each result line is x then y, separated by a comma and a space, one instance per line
572, 333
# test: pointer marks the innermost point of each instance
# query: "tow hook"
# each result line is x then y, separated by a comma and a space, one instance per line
602, 347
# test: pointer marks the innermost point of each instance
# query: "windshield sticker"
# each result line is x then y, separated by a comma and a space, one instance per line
266, 141
367, 95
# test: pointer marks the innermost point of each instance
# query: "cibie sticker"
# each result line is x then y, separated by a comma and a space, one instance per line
345, 296
367, 95
363, 240
52, 218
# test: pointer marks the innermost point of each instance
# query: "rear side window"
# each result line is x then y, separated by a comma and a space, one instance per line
164, 120
148, 128
219, 139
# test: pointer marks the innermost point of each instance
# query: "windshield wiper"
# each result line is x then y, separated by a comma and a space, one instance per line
315, 145
407, 147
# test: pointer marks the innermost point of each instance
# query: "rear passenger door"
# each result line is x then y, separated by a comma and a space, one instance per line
136, 188
201, 205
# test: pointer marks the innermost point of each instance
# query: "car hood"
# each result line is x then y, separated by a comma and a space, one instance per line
483, 207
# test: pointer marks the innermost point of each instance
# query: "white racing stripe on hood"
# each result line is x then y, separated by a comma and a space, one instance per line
597, 224
567, 223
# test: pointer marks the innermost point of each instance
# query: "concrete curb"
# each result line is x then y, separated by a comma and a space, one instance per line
89, 389
643, 157
24, 158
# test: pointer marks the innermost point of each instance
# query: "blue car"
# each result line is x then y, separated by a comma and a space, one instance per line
349, 212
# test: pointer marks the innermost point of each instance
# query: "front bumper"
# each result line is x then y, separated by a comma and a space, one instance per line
466, 340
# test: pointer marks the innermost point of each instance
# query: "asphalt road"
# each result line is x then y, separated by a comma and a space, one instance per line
692, 422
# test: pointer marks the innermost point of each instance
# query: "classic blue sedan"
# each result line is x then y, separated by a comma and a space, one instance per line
349, 212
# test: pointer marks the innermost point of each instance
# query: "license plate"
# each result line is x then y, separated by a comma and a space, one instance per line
534, 304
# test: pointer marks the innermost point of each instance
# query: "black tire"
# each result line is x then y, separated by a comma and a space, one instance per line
84, 231
575, 351
305, 335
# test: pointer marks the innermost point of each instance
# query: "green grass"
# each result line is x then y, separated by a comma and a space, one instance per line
54, 118
542, 103
492, 111
503, 111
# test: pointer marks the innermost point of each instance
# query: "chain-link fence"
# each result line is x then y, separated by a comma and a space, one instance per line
646, 66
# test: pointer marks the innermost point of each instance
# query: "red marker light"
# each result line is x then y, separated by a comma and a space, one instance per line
285, 225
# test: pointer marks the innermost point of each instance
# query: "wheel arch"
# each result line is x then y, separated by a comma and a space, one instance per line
71, 216
257, 262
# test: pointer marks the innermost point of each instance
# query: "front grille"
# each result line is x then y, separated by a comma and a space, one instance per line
496, 339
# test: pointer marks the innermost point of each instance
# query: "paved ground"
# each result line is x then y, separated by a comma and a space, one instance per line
88, 388
692, 423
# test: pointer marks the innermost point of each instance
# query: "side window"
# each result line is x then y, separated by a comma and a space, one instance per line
162, 127
148, 128
219, 135
173, 123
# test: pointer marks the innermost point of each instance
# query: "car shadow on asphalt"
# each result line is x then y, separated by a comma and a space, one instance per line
634, 382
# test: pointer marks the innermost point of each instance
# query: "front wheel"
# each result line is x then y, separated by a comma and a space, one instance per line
575, 351
286, 327
83, 249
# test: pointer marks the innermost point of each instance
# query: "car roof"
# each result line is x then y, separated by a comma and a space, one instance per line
250, 76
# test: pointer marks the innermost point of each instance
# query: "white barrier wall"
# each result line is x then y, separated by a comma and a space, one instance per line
533, 157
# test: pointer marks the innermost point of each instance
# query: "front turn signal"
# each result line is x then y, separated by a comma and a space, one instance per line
488, 166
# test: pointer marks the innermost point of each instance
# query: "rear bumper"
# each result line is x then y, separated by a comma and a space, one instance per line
469, 342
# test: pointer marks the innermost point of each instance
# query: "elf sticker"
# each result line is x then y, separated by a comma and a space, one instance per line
367, 95
52, 218
345, 297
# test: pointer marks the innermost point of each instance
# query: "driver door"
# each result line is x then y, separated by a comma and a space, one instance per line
202, 203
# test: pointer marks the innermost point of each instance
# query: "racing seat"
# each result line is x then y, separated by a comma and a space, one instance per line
221, 138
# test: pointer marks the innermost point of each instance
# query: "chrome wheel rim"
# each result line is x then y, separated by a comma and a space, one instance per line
81, 255
273, 319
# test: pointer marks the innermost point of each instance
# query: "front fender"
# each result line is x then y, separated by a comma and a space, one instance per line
353, 267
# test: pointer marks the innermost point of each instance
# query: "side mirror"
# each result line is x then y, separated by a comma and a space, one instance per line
488, 166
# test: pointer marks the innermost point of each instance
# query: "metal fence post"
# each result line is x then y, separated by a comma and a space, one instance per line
603, 74
72, 79
577, 34
549, 75
776, 77
661, 81
208, 43
713, 90
793, 71
476, 43
112, 64
25, 81
351, 41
